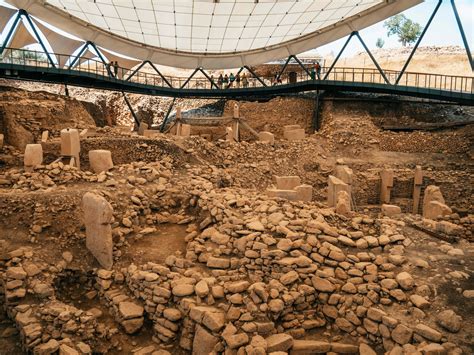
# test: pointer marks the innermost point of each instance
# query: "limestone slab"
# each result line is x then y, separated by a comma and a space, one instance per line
98, 214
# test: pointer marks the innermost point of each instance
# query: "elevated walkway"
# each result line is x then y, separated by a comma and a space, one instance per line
93, 74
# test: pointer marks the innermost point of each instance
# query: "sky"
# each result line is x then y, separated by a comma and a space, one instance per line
442, 32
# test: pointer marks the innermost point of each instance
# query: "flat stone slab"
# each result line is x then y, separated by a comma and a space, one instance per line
130, 310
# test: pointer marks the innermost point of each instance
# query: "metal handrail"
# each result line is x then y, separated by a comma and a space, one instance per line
38, 59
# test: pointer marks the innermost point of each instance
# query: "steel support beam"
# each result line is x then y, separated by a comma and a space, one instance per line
302, 66
38, 38
101, 57
283, 69
168, 113
463, 35
338, 55
78, 56
10, 32
208, 78
372, 57
190, 77
255, 75
405, 66
135, 117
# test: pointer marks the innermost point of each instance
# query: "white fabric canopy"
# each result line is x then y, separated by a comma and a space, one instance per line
22, 37
122, 62
5, 15
60, 44
222, 34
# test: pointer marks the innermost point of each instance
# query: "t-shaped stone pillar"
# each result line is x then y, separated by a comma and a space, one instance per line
417, 183
236, 113
386, 185
1, 140
70, 145
336, 185
98, 214
33, 156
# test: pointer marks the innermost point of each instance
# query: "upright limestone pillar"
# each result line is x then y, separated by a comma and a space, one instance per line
336, 185
98, 214
235, 123
418, 182
386, 185
33, 156
178, 121
344, 173
70, 145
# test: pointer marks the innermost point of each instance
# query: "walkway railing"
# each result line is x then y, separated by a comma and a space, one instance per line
200, 80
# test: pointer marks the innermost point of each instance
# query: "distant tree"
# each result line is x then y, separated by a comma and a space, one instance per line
406, 30
380, 43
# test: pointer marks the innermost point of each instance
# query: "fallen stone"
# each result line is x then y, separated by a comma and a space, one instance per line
449, 320
279, 342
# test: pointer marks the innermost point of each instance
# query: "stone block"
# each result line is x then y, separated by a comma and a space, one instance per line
185, 130
266, 137
70, 143
295, 134
98, 214
178, 114
434, 204
344, 173
229, 134
33, 155
150, 133
100, 160
334, 186
290, 195
142, 128
291, 127
124, 129
286, 182
435, 209
84, 133
305, 192
390, 210
2, 139
44, 136
343, 203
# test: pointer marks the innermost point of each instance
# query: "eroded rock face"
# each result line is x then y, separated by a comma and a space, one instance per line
98, 214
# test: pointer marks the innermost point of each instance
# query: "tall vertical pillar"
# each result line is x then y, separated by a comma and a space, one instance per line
70, 145
386, 185
178, 121
417, 183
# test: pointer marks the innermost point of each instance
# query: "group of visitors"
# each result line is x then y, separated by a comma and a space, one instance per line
112, 68
226, 81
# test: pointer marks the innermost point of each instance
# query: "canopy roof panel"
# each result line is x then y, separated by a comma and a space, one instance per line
209, 33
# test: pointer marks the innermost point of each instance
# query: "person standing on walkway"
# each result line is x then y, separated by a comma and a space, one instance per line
116, 67
318, 69
245, 81
226, 80
220, 80
237, 80
232, 79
